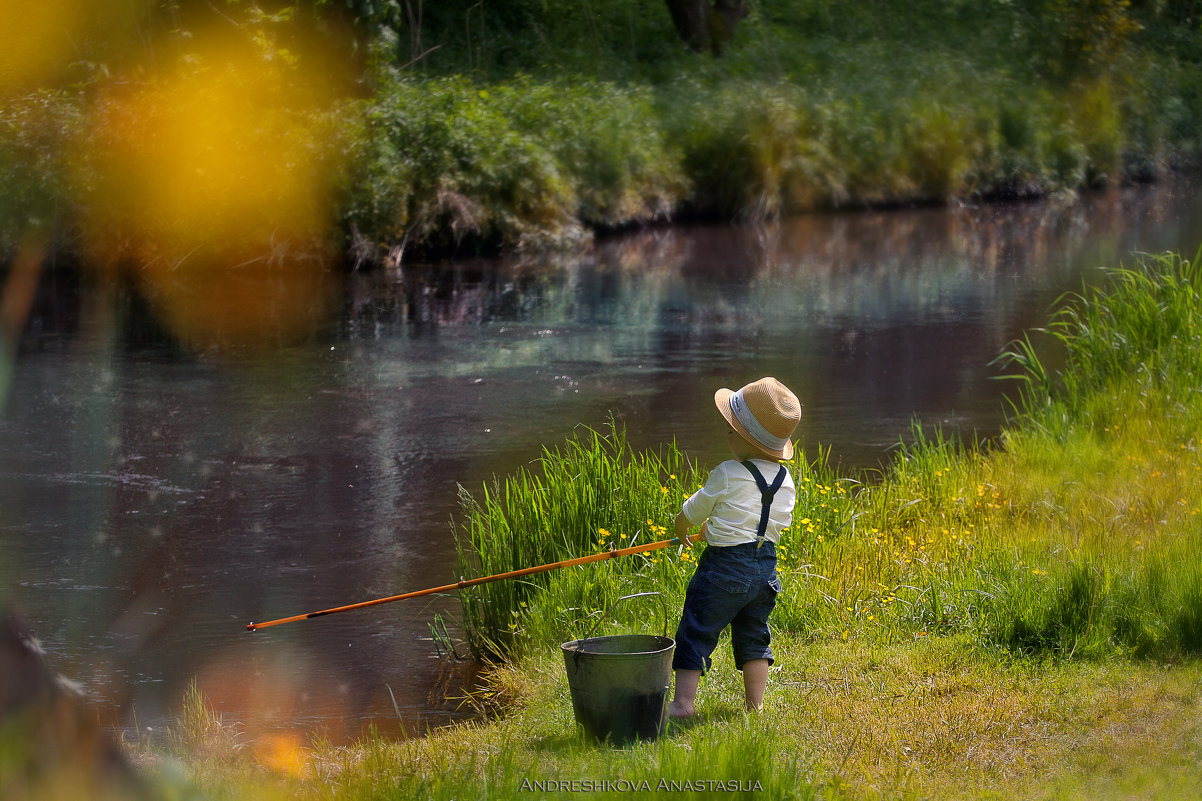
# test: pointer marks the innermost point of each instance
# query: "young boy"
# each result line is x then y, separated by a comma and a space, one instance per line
743, 507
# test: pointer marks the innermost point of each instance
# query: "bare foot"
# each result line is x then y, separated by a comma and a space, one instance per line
679, 709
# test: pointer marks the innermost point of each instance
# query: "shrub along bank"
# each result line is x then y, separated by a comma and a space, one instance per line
810, 107
527, 164
525, 126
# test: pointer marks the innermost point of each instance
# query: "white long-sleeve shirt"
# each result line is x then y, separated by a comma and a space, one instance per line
731, 501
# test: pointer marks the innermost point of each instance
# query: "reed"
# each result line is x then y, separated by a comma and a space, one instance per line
591, 494
1141, 328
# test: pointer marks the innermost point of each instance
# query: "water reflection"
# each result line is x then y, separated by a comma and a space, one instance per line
155, 499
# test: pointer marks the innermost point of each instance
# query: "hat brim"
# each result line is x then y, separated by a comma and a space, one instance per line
722, 401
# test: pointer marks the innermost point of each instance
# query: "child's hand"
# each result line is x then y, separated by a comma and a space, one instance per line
682, 528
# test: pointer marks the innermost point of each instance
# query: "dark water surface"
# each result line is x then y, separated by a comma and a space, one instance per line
154, 500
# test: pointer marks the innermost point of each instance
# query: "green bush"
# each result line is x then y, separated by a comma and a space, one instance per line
605, 139
524, 164
443, 162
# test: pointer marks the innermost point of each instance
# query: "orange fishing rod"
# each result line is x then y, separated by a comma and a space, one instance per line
526, 571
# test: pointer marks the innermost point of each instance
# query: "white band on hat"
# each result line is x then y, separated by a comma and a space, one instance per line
757, 431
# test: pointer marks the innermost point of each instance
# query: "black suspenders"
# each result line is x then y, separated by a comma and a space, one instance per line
767, 493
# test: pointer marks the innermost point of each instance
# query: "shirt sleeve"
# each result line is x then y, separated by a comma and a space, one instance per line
700, 504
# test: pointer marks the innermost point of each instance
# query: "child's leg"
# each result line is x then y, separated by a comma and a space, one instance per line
755, 679
686, 692
702, 620
751, 639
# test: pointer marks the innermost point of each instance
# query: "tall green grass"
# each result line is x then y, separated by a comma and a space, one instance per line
1138, 333
1126, 405
589, 495
1080, 536
1100, 606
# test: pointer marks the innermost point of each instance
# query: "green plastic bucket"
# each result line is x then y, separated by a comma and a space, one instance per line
619, 684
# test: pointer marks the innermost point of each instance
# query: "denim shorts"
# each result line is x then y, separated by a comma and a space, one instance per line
734, 586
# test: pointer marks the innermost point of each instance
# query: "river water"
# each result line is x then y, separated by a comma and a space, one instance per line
156, 498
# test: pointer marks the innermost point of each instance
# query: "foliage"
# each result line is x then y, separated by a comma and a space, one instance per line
529, 124
808, 109
1141, 329
590, 495
443, 163
522, 163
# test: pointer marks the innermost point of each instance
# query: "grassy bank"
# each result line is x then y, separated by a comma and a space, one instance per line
528, 125
930, 719
1018, 620
533, 124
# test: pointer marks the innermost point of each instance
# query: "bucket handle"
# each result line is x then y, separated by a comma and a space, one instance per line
613, 606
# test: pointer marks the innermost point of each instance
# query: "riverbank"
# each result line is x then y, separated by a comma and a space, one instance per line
572, 131
536, 131
1017, 621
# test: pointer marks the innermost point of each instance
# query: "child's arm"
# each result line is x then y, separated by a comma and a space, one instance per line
682, 528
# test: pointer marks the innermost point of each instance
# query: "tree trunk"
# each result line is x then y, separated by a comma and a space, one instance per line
724, 16
706, 24
692, 22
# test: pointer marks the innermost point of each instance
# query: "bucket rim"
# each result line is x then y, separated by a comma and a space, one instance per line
663, 643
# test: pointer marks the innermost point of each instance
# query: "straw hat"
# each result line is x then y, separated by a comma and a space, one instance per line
765, 413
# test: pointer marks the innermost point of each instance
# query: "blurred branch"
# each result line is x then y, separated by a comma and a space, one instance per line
20, 288
19, 291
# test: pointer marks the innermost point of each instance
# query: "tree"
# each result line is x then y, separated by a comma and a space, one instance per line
706, 24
